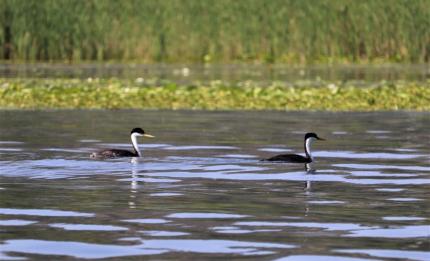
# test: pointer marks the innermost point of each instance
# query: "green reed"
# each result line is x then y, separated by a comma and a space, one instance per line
274, 31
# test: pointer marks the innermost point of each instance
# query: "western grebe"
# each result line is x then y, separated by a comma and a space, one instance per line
294, 158
114, 153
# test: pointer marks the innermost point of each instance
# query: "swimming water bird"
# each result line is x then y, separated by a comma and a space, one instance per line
294, 158
115, 153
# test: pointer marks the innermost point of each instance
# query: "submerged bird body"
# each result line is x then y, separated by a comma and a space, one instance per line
290, 158
116, 153
295, 158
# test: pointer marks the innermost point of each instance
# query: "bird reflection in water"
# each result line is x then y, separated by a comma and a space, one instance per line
309, 168
134, 182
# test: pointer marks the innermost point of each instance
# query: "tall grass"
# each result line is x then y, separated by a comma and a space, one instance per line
282, 31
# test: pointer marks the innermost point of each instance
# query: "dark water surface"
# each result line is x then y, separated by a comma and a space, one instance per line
200, 191
261, 74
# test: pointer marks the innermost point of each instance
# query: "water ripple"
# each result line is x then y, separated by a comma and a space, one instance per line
16, 222
43, 212
213, 246
147, 221
404, 218
321, 258
390, 253
326, 226
87, 227
74, 249
206, 215
399, 232
157, 233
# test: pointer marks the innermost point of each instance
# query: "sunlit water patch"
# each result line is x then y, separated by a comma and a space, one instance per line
395, 232
321, 258
87, 227
147, 221
404, 218
16, 222
74, 249
390, 253
43, 212
206, 215
155, 233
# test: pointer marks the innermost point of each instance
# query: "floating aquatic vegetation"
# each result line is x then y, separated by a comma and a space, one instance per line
122, 94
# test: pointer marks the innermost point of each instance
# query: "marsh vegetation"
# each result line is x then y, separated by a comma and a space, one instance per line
277, 31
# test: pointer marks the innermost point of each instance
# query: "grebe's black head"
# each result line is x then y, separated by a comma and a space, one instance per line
140, 132
312, 135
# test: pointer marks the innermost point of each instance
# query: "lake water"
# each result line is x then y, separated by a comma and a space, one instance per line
262, 74
201, 192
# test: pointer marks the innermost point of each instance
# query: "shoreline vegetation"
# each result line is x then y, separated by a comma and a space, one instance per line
36, 93
221, 31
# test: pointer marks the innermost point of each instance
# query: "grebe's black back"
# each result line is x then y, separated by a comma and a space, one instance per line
294, 158
115, 153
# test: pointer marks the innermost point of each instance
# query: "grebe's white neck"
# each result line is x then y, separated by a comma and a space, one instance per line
134, 142
308, 143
